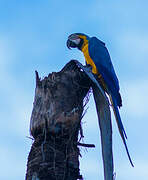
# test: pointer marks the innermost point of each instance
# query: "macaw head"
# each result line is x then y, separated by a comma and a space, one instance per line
77, 40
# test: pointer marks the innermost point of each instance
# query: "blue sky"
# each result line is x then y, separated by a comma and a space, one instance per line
33, 35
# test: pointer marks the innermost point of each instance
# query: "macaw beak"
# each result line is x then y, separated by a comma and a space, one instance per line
73, 41
71, 44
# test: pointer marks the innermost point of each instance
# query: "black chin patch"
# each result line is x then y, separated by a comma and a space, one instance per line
80, 44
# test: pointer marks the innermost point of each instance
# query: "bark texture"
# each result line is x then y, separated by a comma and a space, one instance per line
55, 125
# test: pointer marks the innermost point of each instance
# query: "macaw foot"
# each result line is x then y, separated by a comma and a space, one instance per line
88, 68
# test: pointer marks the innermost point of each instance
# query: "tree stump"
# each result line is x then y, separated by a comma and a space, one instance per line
55, 125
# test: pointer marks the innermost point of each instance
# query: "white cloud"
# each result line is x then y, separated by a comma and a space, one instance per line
91, 167
7, 54
133, 47
135, 97
12, 163
140, 171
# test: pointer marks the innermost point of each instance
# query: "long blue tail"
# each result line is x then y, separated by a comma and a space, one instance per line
120, 125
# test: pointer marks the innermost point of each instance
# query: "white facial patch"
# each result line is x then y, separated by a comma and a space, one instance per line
76, 41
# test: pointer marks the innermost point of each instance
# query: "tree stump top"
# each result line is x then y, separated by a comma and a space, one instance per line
58, 100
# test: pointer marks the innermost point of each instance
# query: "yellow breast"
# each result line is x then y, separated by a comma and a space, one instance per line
88, 59
94, 69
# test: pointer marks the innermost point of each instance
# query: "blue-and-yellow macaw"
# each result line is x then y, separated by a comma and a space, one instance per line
97, 55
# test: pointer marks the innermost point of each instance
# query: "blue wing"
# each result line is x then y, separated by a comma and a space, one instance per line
100, 56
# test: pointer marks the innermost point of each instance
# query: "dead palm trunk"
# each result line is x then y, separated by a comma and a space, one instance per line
56, 122
55, 125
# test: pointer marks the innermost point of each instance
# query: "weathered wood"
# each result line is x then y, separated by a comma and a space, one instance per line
55, 124
104, 119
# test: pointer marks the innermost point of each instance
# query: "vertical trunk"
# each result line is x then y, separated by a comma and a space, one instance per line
55, 124
104, 118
